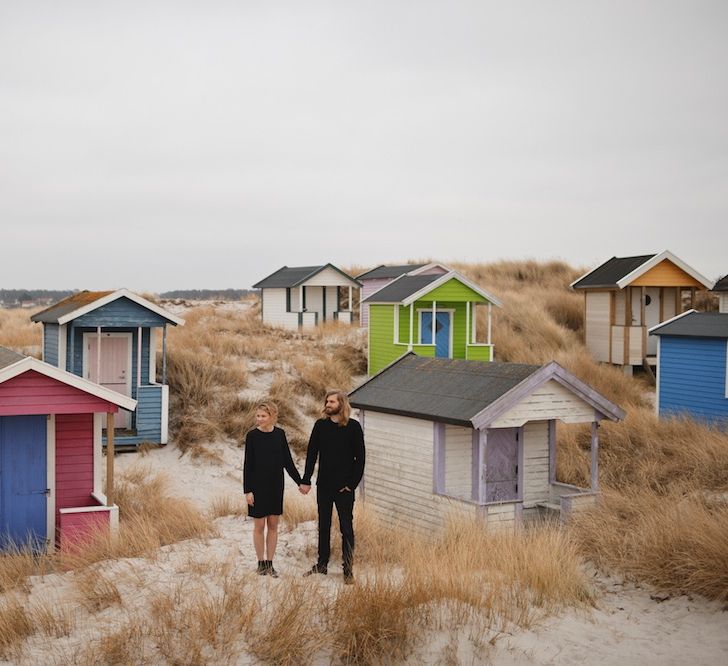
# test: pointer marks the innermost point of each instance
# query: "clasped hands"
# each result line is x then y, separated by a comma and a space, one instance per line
305, 490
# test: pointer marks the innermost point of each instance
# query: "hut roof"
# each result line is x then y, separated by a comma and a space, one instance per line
293, 276
465, 393
85, 301
8, 357
722, 284
389, 271
692, 324
408, 288
618, 272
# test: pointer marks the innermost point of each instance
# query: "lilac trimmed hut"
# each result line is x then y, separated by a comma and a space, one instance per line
478, 438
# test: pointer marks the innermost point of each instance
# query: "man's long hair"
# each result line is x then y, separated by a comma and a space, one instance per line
344, 407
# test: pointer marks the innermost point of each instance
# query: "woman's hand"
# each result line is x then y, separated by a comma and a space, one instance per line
249, 499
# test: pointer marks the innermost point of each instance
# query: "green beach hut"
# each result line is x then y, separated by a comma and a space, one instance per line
431, 315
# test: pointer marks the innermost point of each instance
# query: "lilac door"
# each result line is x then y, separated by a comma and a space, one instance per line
501, 465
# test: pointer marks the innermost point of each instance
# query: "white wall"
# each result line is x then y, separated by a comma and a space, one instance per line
535, 463
551, 400
597, 324
458, 461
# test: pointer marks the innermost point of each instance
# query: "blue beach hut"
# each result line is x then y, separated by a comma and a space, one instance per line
111, 338
692, 366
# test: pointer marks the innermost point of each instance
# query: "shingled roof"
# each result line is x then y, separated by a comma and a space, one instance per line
610, 272
293, 276
383, 272
8, 357
694, 324
401, 288
464, 393
722, 284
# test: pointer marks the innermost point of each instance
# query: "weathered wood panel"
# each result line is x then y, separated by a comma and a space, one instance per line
535, 462
551, 400
597, 324
666, 274
458, 461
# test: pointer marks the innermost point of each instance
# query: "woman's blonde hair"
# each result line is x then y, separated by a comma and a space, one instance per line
269, 408
345, 407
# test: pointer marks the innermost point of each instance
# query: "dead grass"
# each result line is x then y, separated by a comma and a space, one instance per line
227, 505
298, 508
15, 626
96, 591
17, 564
17, 332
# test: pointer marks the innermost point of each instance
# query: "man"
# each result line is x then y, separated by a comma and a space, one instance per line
337, 441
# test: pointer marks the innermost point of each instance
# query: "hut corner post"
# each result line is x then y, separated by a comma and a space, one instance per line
594, 456
110, 459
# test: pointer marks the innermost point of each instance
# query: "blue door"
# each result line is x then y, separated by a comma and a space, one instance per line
442, 332
23, 481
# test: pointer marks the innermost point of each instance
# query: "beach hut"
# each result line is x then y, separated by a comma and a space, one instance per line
304, 296
692, 369
51, 454
476, 438
626, 296
431, 314
382, 275
110, 337
721, 288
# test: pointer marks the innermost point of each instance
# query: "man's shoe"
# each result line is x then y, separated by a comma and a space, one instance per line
270, 571
317, 569
348, 578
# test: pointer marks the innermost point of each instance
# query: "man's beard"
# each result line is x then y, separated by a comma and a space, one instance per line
332, 410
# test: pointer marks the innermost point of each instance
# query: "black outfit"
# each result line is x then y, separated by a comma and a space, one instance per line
340, 454
266, 455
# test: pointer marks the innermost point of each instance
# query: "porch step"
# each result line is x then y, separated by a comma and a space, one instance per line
551, 506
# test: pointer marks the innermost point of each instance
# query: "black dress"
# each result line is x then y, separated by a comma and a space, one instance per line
266, 456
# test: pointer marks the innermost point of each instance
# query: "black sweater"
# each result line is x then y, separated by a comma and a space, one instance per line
340, 454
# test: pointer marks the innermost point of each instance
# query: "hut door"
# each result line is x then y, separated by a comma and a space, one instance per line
442, 331
501, 465
23, 479
115, 371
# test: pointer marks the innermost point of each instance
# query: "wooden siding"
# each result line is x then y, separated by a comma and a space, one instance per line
455, 291
617, 345
78, 527
149, 413
399, 472
121, 313
502, 516
458, 461
327, 277
382, 350
74, 460
669, 298
666, 274
551, 400
723, 303
619, 303
368, 288
274, 306
34, 393
535, 463
692, 377
479, 352
50, 343
597, 324
315, 301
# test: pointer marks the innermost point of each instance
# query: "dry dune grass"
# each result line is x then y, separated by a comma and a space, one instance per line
18, 332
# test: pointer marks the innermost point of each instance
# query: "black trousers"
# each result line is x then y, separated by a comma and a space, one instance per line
326, 498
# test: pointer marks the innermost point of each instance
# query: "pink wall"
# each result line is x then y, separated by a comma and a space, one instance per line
368, 288
77, 528
74, 460
34, 393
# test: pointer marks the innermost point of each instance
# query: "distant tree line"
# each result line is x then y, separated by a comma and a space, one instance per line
208, 294
11, 297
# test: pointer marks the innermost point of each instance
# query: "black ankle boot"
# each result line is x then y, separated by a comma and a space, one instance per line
270, 570
261, 570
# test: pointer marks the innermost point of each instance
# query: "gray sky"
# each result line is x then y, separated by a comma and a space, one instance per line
159, 145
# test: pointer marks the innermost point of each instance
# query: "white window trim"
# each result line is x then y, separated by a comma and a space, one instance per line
451, 312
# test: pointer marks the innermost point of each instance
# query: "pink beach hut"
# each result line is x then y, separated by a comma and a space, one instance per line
51, 454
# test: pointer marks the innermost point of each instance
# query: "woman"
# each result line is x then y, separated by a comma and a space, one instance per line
266, 455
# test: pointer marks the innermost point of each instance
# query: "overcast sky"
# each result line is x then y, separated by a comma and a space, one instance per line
159, 145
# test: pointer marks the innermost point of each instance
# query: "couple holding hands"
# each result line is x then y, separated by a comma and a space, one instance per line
337, 443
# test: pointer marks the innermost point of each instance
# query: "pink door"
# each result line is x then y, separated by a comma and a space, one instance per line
114, 372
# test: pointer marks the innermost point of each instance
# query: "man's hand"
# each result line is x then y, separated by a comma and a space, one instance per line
249, 499
304, 489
